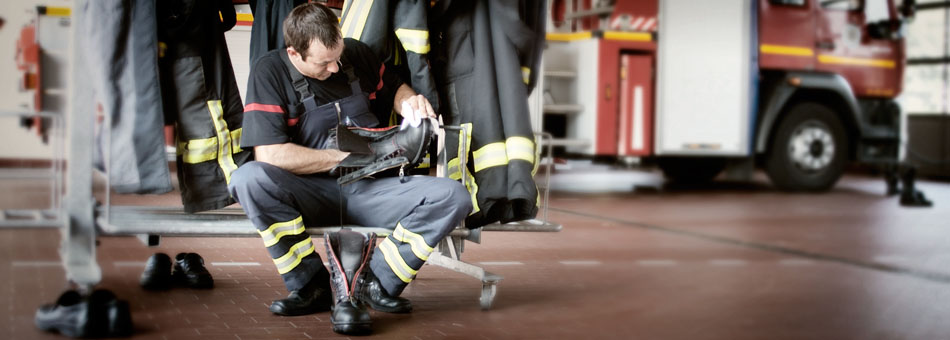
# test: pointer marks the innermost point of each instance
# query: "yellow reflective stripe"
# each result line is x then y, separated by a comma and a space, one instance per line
525, 74
415, 241
277, 230
473, 190
469, 180
454, 171
786, 50
198, 150
520, 148
236, 140
395, 261
355, 19
414, 40
830, 59
293, 257
537, 157
490, 155
224, 139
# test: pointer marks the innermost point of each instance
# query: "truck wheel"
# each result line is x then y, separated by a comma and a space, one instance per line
809, 150
691, 170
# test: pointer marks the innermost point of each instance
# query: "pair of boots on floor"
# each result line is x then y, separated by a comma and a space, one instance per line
348, 289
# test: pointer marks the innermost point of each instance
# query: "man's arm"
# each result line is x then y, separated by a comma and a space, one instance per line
298, 159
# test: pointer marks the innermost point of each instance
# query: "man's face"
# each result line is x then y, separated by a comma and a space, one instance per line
321, 63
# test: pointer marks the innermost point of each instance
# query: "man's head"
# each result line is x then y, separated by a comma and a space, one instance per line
314, 42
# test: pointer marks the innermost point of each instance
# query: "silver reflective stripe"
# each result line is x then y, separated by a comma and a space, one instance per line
395, 261
273, 233
418, 244
292, 258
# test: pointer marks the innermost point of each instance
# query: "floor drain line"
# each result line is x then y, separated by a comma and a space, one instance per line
922, 274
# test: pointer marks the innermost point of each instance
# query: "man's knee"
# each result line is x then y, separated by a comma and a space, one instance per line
454, 197
248, 175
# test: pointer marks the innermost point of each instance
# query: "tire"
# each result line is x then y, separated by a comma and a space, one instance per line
691, 170
809, 149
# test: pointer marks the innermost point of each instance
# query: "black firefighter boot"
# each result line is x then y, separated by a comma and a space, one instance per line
375, 150
349, 253
910, 196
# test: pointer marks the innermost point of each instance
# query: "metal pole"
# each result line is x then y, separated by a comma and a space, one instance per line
78, 247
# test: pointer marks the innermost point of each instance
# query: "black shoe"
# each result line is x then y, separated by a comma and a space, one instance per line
314, 297
377, 298
190, 271
158, 272
70, 316
113, 314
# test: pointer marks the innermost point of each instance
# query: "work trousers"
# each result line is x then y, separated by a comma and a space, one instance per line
421, 211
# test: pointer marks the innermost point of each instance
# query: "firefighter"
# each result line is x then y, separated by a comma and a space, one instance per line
294, 97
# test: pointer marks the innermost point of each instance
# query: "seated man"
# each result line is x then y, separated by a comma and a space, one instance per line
295, 96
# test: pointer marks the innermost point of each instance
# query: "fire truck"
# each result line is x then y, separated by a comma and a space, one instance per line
800, 88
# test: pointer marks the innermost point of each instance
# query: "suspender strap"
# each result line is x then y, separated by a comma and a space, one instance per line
302, 86
300, 83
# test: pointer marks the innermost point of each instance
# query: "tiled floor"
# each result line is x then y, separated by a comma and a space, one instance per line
728, 261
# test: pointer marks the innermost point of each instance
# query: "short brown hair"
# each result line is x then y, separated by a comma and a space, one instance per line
311, 21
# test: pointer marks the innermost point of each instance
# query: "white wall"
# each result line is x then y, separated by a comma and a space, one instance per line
15, 141
19, 143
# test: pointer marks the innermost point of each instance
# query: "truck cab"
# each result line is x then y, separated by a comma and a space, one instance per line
830, 70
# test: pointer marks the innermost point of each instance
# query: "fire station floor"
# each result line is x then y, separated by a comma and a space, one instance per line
725, 261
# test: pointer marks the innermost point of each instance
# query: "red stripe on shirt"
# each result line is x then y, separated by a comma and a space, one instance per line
263, 107
379, 86
292, 121
382, 67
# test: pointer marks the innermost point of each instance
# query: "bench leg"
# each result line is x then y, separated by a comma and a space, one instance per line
451, 262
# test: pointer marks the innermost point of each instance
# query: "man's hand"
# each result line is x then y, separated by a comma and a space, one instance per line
412, 106
421, 108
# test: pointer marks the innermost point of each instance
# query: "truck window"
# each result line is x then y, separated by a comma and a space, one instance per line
846, 5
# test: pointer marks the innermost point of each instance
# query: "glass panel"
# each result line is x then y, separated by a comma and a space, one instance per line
925, 35
924, 89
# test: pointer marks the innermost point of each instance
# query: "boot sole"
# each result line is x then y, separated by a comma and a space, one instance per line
389, 310
353, 328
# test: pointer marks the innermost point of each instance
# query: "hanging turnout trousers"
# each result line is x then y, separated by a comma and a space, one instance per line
421, 211
482, 56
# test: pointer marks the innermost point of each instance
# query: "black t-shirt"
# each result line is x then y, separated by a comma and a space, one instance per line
271, 94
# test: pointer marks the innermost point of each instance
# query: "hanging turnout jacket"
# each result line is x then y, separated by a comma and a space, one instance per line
201, 96
484, 63
397, 31
267, 32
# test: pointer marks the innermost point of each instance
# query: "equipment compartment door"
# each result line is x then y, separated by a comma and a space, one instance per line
636, 105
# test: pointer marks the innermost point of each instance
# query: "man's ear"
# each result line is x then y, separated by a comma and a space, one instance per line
291, 52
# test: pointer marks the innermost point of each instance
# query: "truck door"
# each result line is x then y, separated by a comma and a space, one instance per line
855, 38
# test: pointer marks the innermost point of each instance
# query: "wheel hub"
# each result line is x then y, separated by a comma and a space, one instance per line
811, 146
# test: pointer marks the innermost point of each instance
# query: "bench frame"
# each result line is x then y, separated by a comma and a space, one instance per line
151, 223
